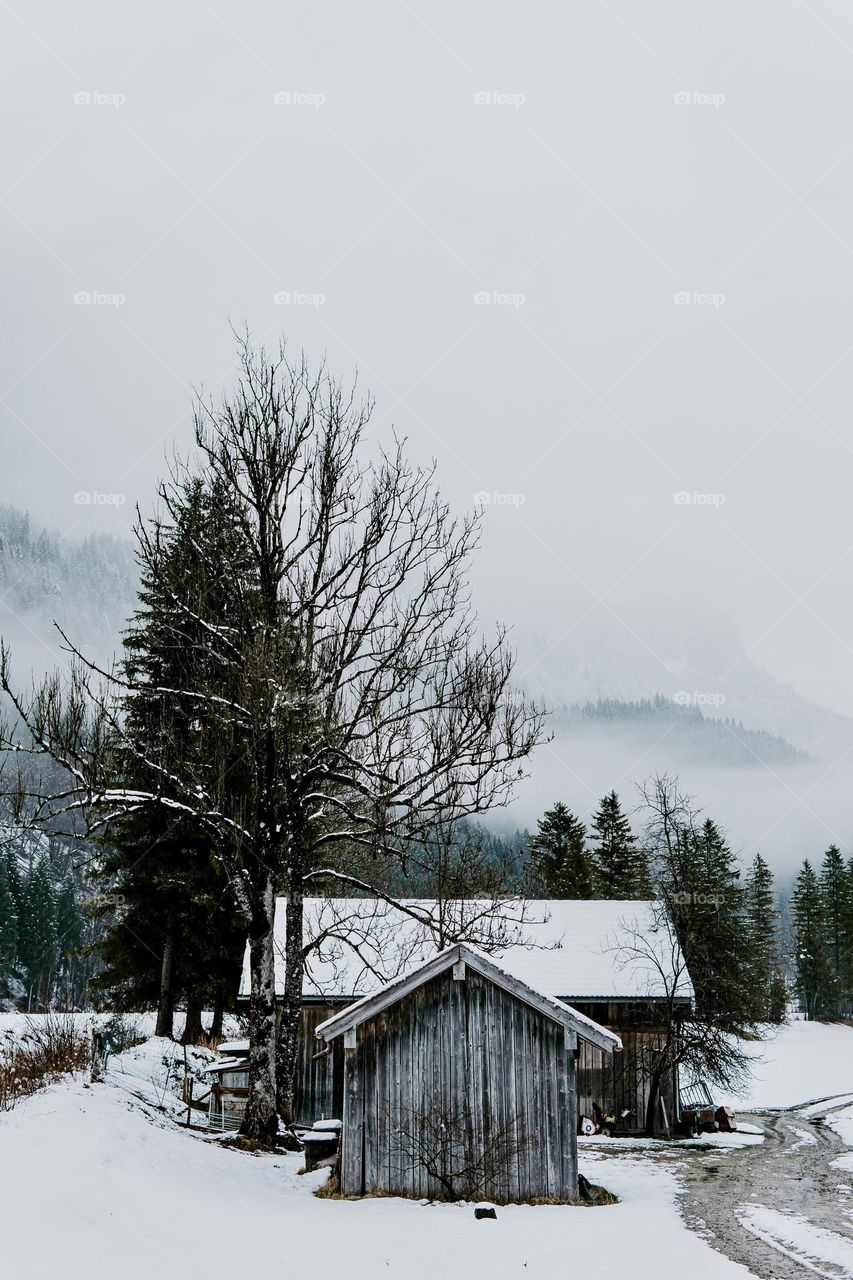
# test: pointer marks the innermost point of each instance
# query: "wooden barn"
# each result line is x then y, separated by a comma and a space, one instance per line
594, 956
459, 1081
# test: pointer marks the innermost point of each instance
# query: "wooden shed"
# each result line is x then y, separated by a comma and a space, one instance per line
581, 952
460, 1082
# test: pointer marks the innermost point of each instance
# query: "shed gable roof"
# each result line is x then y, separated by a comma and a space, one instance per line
400, 987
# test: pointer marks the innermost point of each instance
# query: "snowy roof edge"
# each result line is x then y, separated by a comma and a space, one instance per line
354, 1014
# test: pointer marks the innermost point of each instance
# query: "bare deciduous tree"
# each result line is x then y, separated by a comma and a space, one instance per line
436, 1137
349, 702
705, 1039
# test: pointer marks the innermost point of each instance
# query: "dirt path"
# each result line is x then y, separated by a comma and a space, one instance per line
790, 1173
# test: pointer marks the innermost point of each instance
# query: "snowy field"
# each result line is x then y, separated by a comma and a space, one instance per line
798, 1063
127, 1193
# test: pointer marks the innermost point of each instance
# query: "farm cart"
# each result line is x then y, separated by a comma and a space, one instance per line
700, 1114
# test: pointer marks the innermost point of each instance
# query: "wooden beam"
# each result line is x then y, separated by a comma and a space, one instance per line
350, 1041
459, 971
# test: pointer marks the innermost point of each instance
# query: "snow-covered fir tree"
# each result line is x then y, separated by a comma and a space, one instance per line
37, 939
620, 865
815, 982
837, 898
560, 863
8, 921
767, 982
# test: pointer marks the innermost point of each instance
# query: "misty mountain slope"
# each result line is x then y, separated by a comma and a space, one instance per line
697, 661
773, 800
88, 587
693, 737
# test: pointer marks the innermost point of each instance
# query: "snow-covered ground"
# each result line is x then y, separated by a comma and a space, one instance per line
126, 1192
93, 1185
140, 1023
98, 1182
799, 1062
794, 1236
807, 1066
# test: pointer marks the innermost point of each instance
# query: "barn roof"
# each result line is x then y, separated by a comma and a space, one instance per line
353, 1015
577, 951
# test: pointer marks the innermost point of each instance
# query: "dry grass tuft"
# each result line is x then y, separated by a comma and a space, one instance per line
48, 1049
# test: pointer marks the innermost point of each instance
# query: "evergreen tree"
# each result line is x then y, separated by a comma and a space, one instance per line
8, 922
560, 862
70, 928
837, 907
13, 879
766, 980
620, 866
37, 941
169, 914
813, 965
721, 969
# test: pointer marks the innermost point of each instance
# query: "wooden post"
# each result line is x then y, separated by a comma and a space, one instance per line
97, 1056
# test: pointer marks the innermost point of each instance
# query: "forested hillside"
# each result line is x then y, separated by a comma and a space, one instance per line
87, 584
694, 734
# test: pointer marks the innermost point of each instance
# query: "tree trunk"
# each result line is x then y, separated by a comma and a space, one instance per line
193, 1029
166, 1005
218, 1014
291, 1012
260, 1122
650, 1127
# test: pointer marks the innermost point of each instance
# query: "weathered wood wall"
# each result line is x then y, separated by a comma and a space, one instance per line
620, 1082
617, 1082
468, 1047
319, 1081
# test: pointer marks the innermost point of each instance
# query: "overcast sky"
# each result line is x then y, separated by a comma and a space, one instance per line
583, 167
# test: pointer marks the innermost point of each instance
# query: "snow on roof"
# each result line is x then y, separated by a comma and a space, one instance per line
356, 1013
574, 950
224, 1065
234, 1046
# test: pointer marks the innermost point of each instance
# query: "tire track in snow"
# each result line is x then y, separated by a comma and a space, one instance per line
776, 1207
